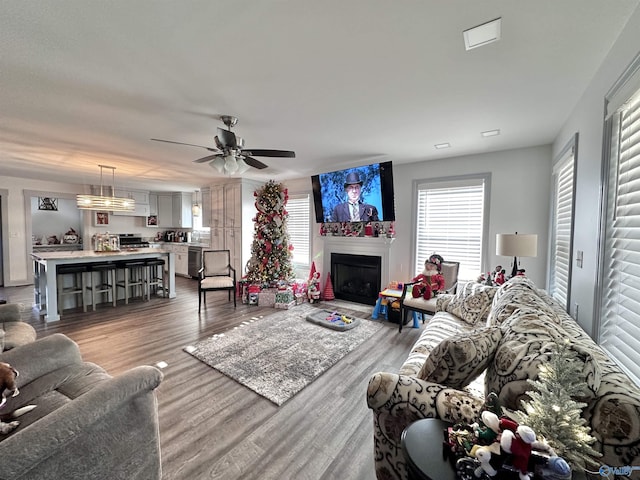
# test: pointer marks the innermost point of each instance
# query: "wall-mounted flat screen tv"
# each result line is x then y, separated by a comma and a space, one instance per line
367, 190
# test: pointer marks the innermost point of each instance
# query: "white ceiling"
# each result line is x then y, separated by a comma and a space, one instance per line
341, 82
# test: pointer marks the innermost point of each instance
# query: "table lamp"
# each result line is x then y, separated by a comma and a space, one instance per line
514, 245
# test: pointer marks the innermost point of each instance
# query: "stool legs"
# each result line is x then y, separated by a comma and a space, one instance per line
76, 289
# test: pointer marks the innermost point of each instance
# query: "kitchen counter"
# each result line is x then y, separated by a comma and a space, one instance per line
45, 264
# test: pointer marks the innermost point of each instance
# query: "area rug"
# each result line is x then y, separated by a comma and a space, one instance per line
278, 355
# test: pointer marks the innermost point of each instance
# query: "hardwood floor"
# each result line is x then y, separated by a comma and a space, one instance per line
211, 427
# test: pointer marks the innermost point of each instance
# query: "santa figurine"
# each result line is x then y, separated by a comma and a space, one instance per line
430, 282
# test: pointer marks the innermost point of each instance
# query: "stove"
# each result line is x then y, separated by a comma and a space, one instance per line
129, 240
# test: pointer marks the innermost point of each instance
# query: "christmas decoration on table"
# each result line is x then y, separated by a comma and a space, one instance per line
313, 288
328, 289
430, 282
271, 251
553, 412
496, 446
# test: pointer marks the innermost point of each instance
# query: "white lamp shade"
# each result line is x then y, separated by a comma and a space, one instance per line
516, 245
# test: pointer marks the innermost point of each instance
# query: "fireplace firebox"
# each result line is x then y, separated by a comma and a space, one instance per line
356, 278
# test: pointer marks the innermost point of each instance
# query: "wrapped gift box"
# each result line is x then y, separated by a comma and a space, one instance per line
267, 297
284, 296
300, 298
285, 306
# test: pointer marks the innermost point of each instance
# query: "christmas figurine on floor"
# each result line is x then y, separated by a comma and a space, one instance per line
430, 282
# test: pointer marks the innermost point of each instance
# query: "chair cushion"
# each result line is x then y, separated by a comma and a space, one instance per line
458, 360
216, 282
419, 303
472, 302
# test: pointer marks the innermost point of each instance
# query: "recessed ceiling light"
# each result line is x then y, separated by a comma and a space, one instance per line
490, 133
442, 145
483, 34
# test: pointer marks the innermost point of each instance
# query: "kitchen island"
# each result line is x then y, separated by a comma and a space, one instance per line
46, 263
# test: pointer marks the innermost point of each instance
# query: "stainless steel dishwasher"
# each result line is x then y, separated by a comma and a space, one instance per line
195, 261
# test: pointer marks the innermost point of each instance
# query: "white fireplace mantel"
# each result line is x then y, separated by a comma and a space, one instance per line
374, 246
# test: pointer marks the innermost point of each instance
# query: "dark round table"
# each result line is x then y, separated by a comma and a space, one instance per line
423, 446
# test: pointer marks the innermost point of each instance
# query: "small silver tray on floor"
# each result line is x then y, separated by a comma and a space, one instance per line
333, 320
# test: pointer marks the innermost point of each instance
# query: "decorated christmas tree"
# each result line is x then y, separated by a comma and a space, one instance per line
270, 252
553, 413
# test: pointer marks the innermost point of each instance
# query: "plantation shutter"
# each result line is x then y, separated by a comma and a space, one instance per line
620, 304
450, 223
562, 229
299, 227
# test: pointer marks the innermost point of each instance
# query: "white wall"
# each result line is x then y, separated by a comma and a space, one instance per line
588, 120
520, 201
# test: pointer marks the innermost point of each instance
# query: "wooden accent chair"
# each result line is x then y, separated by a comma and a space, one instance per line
216, 273
449, 271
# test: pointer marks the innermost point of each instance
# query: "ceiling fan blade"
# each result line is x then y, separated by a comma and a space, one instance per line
227, 138
182, 143
252, 162
269, 153
208, 158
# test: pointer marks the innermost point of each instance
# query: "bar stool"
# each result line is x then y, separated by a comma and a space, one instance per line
104, 282
155, 276
76, 288
135, 275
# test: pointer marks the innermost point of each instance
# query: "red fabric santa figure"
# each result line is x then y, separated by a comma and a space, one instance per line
430, 282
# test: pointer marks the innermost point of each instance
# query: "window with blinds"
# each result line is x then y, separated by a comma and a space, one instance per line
562, 228
450, 222
299, 226
620, 280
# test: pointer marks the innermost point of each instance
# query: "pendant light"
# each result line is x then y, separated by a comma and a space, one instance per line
106, 203
195, 208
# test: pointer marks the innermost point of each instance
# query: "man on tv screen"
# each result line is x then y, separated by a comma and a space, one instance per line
353, 210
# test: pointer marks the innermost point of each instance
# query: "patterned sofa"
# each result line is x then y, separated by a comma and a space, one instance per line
488, 339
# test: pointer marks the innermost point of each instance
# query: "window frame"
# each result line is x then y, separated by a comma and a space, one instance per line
299, 196
569, 154
442, 182
625, 91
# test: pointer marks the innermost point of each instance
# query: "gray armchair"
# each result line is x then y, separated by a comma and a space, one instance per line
13, 331
86, 424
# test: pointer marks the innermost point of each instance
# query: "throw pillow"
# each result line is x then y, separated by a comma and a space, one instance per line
472, 302
458, 360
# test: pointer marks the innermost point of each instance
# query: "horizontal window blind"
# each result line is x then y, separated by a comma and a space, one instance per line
620, 309
450, 223
562, 229
299, 227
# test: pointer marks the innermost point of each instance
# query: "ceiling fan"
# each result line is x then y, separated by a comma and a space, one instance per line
229, 155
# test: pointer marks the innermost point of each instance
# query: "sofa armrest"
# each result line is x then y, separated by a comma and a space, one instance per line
402, 395
43, 356
49, 442
9, 312
442, 302
399, 400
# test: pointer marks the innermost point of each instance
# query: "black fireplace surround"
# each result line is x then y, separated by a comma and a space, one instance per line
356, 278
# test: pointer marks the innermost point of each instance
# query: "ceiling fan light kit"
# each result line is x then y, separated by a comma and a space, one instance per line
229, 156
106, 203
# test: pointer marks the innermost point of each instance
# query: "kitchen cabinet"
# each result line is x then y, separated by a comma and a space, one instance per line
232, 213
153, 204
142, 202
217, 206
181, 257
165, 209
182, 214
206, 207
174, 209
